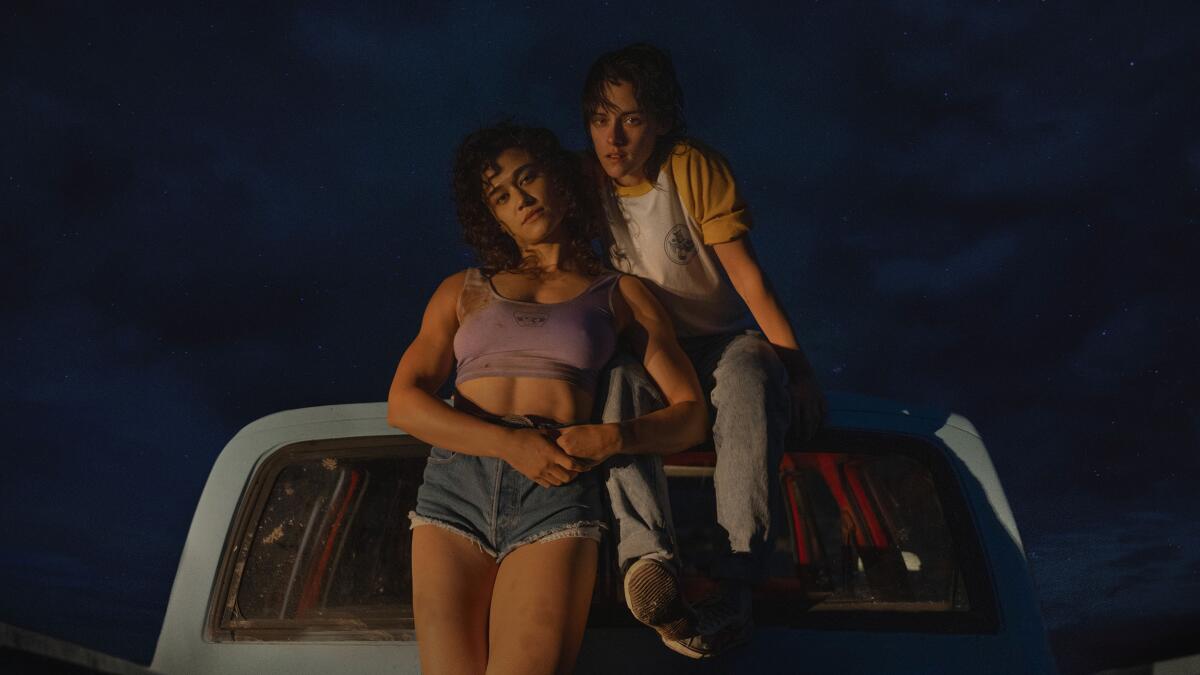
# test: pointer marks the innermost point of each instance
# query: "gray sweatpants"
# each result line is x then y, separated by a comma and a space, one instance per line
746, 387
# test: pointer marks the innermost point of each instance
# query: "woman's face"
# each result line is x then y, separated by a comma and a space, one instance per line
624, 136
522, 198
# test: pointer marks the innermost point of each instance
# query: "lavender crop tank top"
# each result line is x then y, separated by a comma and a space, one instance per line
570, 340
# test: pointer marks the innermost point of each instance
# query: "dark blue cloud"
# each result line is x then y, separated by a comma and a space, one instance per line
954, 274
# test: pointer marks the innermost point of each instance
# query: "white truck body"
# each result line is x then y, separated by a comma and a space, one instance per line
1009, 639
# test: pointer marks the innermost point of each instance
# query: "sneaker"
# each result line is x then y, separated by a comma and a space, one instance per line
653, 595
724, 621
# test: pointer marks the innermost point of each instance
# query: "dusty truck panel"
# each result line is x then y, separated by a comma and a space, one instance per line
183, 646
985, 620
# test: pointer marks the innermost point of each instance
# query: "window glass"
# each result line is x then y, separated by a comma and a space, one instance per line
856, 532
323, 550
330, 547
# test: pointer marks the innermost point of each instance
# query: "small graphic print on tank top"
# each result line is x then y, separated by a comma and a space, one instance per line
526, 319
679, 245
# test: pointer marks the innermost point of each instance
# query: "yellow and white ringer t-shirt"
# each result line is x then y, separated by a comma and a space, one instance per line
664, 233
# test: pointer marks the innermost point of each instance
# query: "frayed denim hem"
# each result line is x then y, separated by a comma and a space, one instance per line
585, 529
416, 520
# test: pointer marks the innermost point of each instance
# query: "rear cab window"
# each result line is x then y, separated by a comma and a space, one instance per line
321, 548
873, 533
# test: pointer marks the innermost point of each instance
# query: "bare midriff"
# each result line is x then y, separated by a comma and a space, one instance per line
529, 396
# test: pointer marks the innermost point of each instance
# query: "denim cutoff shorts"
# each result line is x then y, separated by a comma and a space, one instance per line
489, 502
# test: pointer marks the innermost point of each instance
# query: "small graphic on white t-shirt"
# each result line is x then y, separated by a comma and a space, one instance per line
679, 245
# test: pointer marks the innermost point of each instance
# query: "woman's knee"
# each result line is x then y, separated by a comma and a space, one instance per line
749, 369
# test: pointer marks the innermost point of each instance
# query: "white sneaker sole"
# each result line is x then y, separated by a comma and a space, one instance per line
653, 596
734, 641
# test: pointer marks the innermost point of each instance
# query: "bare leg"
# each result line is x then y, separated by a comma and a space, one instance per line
452, 590
540, 607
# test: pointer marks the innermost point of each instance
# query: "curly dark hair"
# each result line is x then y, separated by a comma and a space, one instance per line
650, 71
495, 249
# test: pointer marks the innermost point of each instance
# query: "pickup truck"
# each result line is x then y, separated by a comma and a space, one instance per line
897, 553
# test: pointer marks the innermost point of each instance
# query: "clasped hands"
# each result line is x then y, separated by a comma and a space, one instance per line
551, 457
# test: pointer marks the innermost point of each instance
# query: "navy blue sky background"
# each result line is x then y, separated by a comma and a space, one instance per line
214, 214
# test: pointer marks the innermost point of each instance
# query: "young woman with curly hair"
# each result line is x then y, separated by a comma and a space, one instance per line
509, 515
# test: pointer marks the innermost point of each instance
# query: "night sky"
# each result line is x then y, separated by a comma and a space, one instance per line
209, 215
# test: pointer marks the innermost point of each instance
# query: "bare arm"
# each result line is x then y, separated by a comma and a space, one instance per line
680, 425
751, 283
414, 406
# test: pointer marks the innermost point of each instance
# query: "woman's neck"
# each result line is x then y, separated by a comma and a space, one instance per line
545, 260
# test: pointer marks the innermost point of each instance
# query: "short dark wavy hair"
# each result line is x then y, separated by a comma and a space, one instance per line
495, 248
650, 71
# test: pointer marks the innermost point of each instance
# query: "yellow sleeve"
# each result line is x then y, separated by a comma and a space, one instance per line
707, 190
